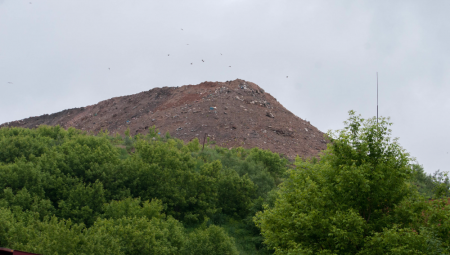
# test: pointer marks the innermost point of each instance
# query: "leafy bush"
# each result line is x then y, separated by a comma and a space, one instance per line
357, 199
67, 192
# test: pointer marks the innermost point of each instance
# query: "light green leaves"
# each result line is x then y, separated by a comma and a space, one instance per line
349, 201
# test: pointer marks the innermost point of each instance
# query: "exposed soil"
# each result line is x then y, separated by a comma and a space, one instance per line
233, 113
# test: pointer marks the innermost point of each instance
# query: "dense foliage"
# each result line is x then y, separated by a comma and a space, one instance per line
68, 192
359, 198
431, 185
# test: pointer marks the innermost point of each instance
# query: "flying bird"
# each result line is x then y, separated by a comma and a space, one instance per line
10, 82
221, 54
191, 63
168, 54
203, 60
230, 66
109, 68
287, 76
187, 44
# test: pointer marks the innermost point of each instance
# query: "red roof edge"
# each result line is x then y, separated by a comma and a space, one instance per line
6, 251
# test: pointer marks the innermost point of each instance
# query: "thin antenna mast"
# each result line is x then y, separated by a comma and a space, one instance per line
377, 98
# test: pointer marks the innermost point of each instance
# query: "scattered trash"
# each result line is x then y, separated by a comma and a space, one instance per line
196, 100
268, 114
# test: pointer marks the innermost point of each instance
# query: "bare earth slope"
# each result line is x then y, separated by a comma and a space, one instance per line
233, 113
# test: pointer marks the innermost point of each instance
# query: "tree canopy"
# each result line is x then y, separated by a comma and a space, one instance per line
357, 199
68, 192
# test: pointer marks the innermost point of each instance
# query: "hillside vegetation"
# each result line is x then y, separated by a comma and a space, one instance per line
69, 192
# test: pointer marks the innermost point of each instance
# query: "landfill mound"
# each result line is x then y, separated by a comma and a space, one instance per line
233, 113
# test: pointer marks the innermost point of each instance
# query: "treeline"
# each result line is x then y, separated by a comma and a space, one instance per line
430, 185
68, 192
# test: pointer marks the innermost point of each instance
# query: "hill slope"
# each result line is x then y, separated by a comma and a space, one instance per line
233, 113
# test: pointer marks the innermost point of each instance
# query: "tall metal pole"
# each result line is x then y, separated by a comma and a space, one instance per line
377, 99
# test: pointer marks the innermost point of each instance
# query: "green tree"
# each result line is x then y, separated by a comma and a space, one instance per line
424, 183
83, 204
140, 235
346, 201
69, 192
441, 184
209, 240
235, 193
52, 236
133, 208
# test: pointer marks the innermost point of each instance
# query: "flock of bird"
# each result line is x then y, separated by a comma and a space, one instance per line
202, 59
167, 55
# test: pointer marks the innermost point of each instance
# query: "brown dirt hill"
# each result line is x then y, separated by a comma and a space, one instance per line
233, 113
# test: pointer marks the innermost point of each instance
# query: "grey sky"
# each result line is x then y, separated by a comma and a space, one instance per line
57, 54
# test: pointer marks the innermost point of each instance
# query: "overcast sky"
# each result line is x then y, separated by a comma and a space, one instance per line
60, 54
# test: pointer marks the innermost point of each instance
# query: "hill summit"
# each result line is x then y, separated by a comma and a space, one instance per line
232, 113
